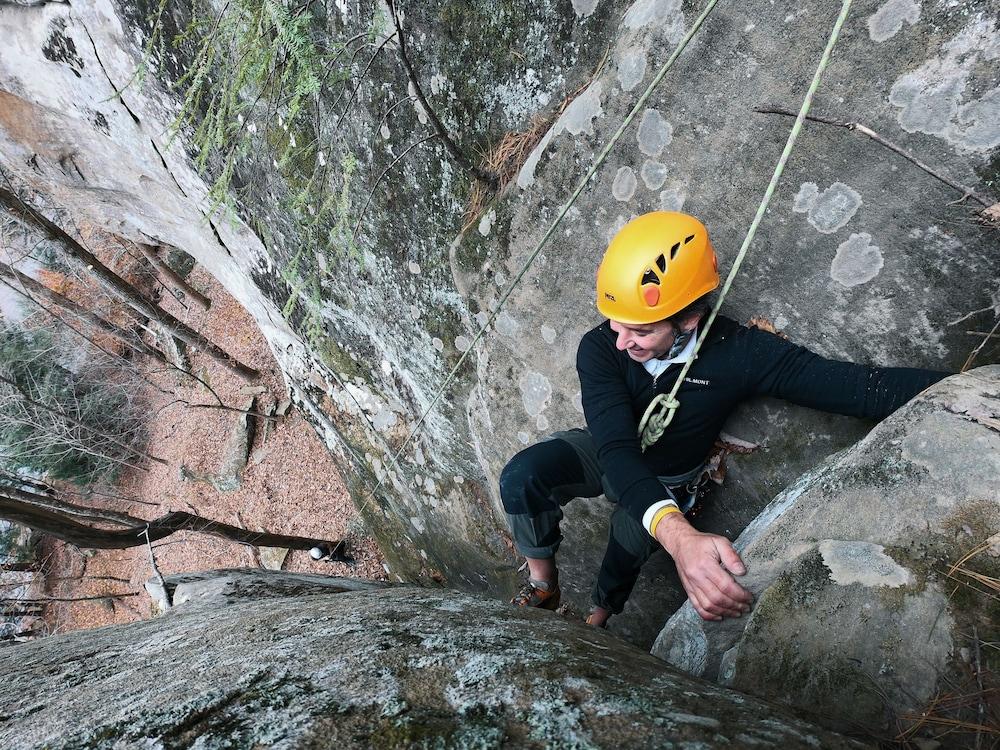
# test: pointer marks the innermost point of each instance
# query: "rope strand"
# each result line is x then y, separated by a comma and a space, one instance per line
661, 410
640, 103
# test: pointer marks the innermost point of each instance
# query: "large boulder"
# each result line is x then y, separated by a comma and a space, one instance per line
384, 667
859, 616
862, 255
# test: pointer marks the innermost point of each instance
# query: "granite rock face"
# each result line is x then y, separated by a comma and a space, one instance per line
860, 257
849, 567
391, 667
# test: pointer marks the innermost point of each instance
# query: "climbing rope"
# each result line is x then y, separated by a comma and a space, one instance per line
640, 103
661, 410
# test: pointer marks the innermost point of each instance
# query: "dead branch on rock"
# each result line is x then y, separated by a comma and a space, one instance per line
386, 171
975, 352
456, 153
992, 206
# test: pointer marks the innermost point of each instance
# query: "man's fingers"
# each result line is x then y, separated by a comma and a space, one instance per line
728, 600
698, 601
709, 600
731, 593
729, 557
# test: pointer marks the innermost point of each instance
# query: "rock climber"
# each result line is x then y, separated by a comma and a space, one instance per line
653, 286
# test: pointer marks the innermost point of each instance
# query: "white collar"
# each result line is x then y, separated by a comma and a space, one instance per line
686, 352
656, 366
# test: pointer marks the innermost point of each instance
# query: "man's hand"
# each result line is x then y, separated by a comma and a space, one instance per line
706, 564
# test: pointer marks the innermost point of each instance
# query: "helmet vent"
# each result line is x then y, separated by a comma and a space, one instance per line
674, 249
688, 239
650, 278
661, 263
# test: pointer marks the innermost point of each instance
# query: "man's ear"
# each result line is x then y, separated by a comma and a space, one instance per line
692, 320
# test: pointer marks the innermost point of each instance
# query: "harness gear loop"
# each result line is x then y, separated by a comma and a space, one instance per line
661, 410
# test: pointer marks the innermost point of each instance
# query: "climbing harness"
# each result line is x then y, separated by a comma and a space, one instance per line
654, 422
661, 410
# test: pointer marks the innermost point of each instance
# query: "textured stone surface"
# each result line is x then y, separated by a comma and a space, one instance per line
398, 313
848, 567
396, 667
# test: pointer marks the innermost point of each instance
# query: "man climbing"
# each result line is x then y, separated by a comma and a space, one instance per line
652, 285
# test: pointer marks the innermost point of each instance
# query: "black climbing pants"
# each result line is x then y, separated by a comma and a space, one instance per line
536, 484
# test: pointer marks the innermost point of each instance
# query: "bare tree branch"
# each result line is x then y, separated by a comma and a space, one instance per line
453, 149
864, 130
62, 526
175, 278
120, 287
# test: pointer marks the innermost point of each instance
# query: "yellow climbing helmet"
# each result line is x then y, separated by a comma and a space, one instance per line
657, 264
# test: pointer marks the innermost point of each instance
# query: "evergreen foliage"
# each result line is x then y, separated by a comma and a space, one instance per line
97, 391
253, 88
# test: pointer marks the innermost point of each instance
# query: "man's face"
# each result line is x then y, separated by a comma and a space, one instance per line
644, 342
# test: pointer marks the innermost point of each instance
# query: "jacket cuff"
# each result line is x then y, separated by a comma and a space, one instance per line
652, 510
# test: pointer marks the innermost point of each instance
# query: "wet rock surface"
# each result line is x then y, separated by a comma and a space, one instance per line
855, 618
395, 667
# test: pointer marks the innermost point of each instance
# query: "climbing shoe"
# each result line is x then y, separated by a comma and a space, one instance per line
538, 594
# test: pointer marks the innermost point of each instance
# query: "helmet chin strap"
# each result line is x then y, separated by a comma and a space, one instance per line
661, 409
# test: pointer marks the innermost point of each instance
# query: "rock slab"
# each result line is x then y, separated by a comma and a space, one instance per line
391, 667
855, 617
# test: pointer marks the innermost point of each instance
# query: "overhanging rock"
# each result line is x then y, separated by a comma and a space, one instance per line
854, 617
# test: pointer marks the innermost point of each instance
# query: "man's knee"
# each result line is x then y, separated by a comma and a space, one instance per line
530, 481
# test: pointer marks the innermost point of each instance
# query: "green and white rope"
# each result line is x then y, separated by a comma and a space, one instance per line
640, 103
661, 410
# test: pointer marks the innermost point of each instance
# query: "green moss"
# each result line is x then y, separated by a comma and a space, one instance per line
339, 360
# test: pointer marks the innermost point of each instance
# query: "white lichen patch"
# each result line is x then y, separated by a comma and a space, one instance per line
548, 333
857, 261
584, 8
580, 114
654, 133
578, 401
647, 12
439, 83
615, 226
829, 210
886, 22
411, 91
413, 267
577, 119
631, 67
437, 343
506, 325
462, 343
486, 223
542, 423
535, 392
864, 563
672, 199
624, 185
805, 198
523, 437
932, 98
653, 174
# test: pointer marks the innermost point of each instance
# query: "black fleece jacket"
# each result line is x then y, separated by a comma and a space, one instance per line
735, 363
